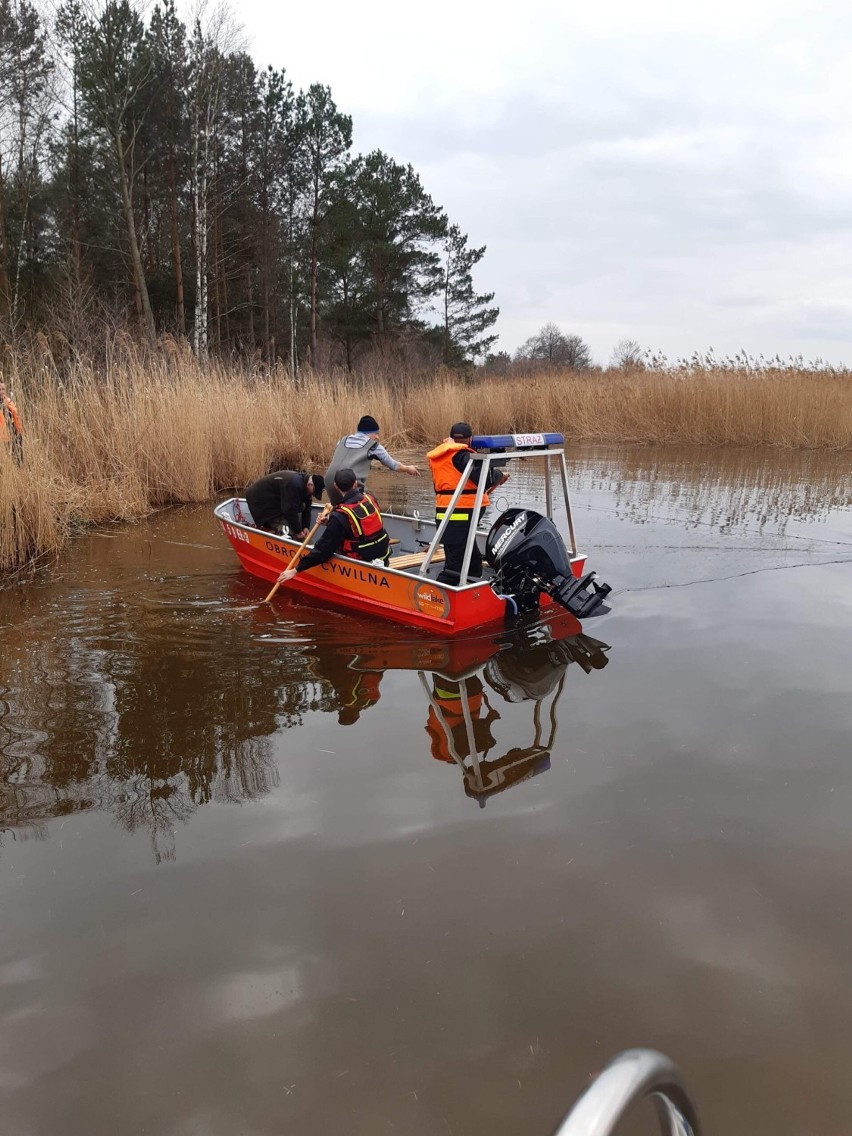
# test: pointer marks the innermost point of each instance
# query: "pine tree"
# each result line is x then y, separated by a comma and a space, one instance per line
276, 113
327, 138
157, 166
344, 279
69, 27
466, 314
400, 227
116, 85
26, 104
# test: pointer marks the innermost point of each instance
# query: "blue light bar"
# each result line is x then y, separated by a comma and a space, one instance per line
515, 441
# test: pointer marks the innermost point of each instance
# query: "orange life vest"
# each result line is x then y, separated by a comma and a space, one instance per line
445, 478
369, 541
8, 407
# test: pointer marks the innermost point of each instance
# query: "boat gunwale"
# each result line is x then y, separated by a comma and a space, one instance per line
352, 560
400, 572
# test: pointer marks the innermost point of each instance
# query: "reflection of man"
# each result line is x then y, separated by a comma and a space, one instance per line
363, 694
450, 698
354, 691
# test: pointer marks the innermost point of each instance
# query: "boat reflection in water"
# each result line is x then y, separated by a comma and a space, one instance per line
465, 682
118, 721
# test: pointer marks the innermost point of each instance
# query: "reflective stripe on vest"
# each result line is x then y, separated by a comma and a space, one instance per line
365, 523
445, 476
450, 702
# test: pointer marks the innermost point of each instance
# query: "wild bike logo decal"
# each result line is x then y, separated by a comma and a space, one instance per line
430, 599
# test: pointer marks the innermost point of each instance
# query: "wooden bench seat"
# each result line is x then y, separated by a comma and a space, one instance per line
415, 559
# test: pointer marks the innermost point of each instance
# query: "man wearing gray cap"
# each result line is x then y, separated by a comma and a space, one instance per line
356, 451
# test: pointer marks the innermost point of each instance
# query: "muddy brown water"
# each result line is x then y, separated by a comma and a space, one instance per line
242, 889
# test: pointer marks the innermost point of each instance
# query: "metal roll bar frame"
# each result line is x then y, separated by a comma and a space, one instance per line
486, 461
543, 747
629, 1078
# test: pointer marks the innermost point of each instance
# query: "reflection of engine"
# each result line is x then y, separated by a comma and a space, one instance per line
532, 673
529, 666
528, 556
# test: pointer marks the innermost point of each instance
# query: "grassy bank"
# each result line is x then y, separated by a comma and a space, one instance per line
114, 441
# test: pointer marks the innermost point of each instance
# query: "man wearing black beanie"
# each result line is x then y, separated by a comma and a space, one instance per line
356, 451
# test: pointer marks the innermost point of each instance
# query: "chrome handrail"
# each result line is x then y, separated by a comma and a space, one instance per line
629, 1078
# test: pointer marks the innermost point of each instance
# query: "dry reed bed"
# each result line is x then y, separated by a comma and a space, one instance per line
114, 443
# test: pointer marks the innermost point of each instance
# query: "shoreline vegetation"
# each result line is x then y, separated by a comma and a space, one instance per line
149, 427
192, 196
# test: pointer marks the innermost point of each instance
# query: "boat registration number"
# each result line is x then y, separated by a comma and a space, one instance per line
529, 439
237, 534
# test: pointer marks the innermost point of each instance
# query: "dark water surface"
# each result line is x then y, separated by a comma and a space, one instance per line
243, 892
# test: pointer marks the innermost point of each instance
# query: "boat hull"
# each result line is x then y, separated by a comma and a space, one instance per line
372, 589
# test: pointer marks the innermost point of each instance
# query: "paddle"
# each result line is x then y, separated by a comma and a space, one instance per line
298, 556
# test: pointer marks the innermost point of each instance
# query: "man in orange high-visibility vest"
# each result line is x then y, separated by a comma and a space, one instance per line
447, 463
11, 431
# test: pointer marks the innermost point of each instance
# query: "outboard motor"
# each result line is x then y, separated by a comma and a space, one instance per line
528, 557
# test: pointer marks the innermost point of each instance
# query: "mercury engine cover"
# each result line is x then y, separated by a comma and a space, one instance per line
528, 557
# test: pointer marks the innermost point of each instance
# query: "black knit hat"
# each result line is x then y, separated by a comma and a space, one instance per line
367, 425
461, 430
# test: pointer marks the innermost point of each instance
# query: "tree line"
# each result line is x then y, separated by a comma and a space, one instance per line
552, 349
150, 171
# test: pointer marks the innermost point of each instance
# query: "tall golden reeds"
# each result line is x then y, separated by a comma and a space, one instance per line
114, 440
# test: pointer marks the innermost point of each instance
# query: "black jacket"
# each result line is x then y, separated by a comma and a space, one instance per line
280, 498
337, 530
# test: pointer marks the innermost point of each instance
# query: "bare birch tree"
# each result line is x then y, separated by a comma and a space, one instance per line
627, 355
214, 34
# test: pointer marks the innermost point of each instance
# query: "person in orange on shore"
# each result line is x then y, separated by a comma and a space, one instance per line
11, 431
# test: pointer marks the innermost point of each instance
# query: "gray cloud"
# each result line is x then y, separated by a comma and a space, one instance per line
680, 178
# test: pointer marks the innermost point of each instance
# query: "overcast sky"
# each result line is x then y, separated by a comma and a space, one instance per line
675, 173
